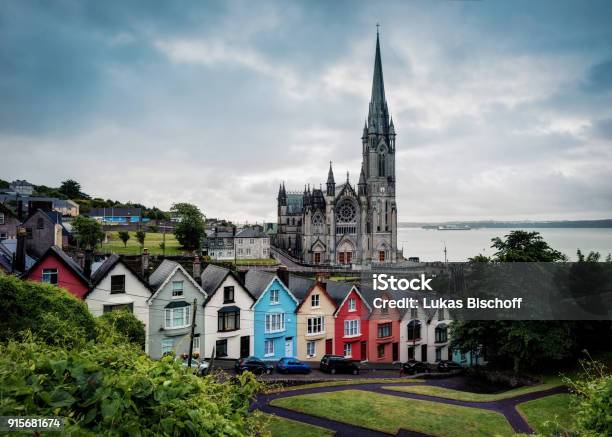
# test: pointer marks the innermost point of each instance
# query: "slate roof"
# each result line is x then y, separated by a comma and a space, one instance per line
160, 274
251, 232
7, 249
213, 276
107, 266
256, 281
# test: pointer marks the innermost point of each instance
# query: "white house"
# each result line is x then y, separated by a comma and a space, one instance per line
116, 286
228, 314
252, 243
424, 335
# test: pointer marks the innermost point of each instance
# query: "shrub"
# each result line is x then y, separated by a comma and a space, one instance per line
593, 401
114, 389
123, 323
50, 313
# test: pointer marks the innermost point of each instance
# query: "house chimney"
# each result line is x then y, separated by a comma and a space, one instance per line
197, 267
283, 275
20, 252
87, 263
145, 262
242, 276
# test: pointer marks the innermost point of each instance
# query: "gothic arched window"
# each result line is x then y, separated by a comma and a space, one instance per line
381, 164
317, 223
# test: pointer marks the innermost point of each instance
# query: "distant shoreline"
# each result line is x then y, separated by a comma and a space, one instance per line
604, 223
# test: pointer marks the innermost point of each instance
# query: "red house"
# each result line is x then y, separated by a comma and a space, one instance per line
384, 324
57, 268
351, 327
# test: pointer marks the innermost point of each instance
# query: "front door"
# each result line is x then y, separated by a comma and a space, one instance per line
424, 353
364, 347
289, 346
245, 346
395, 351
329, 347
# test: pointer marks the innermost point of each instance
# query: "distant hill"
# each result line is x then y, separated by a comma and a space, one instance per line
605, 223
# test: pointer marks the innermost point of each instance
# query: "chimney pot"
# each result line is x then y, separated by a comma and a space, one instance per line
197, 267
145, 262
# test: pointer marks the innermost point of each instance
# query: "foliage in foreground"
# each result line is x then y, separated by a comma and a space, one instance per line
123, 323
114, 389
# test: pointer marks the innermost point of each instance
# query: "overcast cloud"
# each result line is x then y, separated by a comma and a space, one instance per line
503, 109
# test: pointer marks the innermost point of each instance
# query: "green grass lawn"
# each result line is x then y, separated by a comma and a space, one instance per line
152, 241
553, 409
448, 393
388, 414
281, 427
276, 389
257, 262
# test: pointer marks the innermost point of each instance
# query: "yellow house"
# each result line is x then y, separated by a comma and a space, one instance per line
315, 323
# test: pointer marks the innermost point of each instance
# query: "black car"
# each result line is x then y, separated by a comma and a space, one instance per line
336, 364
448, 366
411, 367
253, 364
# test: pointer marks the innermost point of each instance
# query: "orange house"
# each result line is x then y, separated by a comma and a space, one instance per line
384, 334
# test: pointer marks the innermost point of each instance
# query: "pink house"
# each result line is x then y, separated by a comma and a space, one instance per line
57, 268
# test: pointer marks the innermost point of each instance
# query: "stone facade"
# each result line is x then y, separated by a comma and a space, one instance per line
343, 224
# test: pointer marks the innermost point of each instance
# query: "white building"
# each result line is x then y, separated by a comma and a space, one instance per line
424, 335
21, 187
114, 287
227, 313
252, 243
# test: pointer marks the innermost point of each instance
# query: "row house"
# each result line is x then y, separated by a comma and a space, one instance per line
424, 334
227, 313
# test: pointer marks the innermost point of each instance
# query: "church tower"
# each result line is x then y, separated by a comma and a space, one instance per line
378, 166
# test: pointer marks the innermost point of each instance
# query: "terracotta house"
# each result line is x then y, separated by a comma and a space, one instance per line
384, 332
57, 268
352, 326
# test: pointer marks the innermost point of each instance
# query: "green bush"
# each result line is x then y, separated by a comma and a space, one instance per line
50, 313
593, 401
114, 389
124, 323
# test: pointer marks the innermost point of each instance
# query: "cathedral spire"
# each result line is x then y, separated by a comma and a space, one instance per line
331, 184
378, 116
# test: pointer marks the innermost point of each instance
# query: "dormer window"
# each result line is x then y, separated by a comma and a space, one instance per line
352, 304
274, 296
177, 288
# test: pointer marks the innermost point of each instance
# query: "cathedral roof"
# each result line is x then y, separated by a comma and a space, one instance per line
378, 116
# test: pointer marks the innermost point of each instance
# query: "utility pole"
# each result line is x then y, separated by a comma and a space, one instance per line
193, 319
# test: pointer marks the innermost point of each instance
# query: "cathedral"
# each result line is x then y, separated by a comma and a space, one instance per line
343, 224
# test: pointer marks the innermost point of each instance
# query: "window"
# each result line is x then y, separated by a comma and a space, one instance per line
315, 301
40, 223
251, 241
248, 251
414, 313
352, 304
228, 321
311, 348
3, 236
166, 346
381, 164
438, 354
441, 314
381, 256
441, 334
177, 317
384, 330
196, 343
275, 322
119, 307
117, 284
228, 294
274, 296
414, 330
221, 348
49, 276
177, 288
380, 349
1, 218
351, 327
269, 347
317, 258
348, 350
316, 325
29, 233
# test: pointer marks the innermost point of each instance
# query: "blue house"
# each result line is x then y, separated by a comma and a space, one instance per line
469, 359
274, 316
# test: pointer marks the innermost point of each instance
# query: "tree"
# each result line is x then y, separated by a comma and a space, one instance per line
72, 189
88, 232
189, 230
141, 236
124, 236
124, 323
524, 344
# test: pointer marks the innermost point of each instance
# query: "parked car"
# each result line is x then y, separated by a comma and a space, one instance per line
336, 364
253, 364
412, 366
448, 366
291, 365
199, 367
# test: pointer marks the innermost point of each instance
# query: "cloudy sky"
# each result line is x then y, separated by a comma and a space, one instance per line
503, 109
